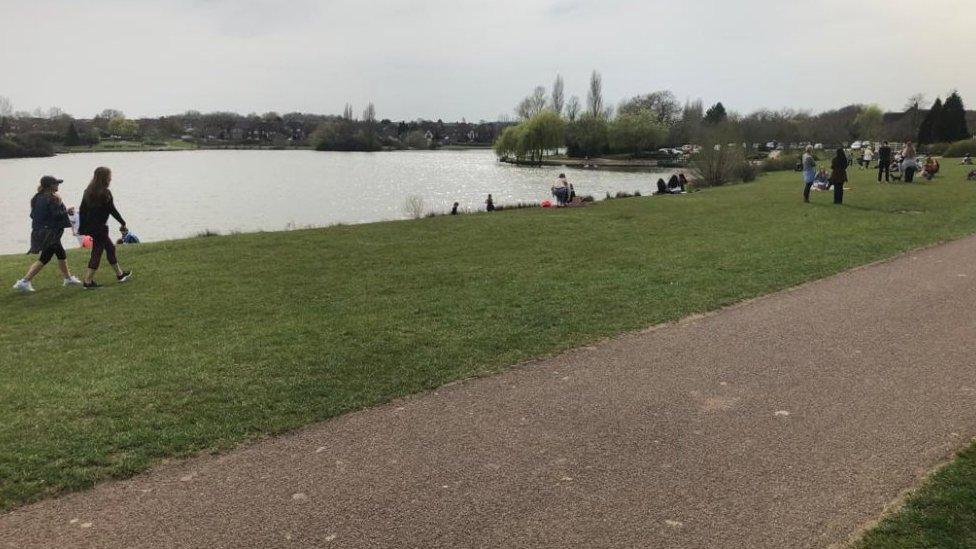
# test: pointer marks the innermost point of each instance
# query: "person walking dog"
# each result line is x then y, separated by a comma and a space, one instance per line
838, 175
96, 207
49, 219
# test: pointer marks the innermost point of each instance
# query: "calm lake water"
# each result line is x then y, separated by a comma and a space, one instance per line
166, 195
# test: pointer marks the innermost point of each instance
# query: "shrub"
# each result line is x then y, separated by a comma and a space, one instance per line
716, 164
960, 149
23, 146
936, 149
746, 171
784, 162
414, 207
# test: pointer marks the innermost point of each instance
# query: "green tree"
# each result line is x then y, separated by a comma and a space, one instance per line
927, 131
71, 137
952, 120
869, 122
587, 136
546, 131
716, 114
636, 132
123, 127
511, 142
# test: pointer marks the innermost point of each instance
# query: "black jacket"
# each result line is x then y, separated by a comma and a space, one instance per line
94, 214
884, 155
48, 212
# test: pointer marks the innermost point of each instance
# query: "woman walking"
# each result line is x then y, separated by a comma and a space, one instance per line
838, 175
809, 171
49, 219
96, 207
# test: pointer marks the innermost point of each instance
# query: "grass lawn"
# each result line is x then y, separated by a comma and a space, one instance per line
941, 515
220, 340
133, 146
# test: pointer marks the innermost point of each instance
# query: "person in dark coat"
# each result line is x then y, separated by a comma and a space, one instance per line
838, 175
49, 219
96, 207
662, 187
884, 162
490, 204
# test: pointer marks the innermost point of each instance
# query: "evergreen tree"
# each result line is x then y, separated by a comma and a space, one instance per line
715, 114
952, 120
927, 130
71, 137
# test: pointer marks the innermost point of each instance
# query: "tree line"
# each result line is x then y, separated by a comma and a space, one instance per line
638, 126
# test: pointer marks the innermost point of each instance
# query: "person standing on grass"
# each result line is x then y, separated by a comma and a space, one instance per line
49, 219
96, 207
838, 175
884, 162
868, 157
809, 165
489, 204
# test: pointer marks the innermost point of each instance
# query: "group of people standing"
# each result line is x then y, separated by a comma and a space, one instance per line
49, 219
890, 166
838, 174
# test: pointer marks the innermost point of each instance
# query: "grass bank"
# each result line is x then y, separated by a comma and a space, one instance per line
940, 515
221, 340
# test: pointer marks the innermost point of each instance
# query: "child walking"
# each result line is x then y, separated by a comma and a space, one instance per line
96, 207
49, 219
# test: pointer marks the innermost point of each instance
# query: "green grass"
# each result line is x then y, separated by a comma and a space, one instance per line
133, 146
221, 340
942, 515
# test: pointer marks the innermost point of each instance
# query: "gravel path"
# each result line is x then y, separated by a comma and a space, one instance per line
787, 421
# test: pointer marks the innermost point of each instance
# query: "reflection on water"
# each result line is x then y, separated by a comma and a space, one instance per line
165, 195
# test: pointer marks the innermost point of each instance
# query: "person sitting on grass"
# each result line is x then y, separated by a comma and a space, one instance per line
489, 204
128, 237
930, 169
454, 208
674, 185
821, 181
971, 176
49, 219
968, 159
684, 182
662, 187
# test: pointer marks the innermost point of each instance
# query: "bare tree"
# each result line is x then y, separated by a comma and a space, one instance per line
538, 100
369, 115
914, 101
557, 95
594, 98
6, 107
532, 105
524, 109
109, 114
55, 112
573, 108
347, 112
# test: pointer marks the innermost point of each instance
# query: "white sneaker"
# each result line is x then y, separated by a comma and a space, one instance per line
72, 281
24, 286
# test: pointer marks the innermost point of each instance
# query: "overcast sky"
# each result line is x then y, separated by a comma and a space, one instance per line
476, 58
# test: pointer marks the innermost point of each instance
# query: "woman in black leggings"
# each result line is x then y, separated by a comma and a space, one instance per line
96, 206
49, 218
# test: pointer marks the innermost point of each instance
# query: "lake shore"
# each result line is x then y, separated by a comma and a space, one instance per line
209, 366
636, 164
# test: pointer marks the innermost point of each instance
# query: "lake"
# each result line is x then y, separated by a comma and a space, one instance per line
167, 195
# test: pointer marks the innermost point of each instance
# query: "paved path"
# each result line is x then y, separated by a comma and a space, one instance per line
789, 421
